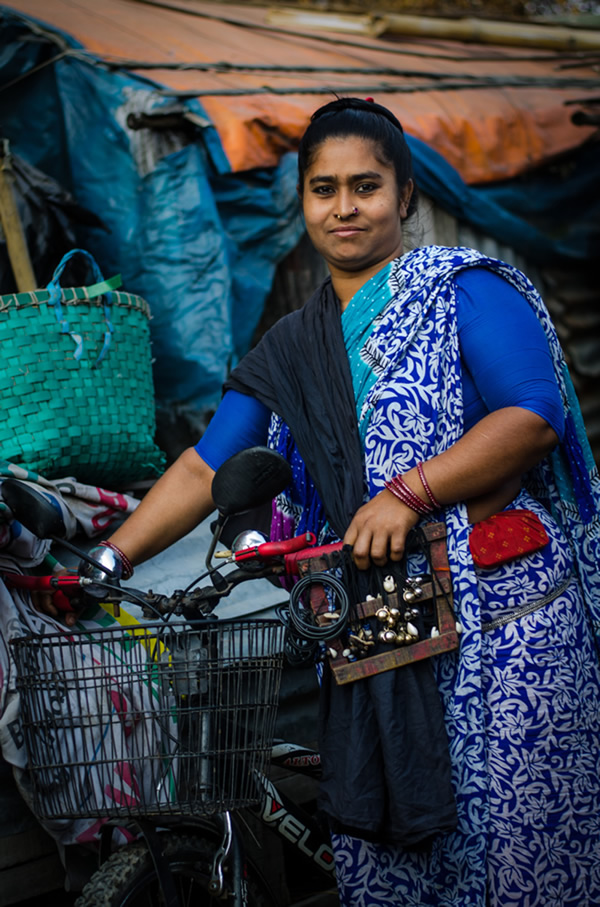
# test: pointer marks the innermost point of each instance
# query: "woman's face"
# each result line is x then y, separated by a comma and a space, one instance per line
346, 174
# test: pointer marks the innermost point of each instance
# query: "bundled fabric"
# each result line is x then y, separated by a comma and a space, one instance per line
91, 510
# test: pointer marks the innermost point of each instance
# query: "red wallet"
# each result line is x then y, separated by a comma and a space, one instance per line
506, 536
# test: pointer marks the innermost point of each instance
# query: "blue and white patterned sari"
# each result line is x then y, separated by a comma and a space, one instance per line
522, 700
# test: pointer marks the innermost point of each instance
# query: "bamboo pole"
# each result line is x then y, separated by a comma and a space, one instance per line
468, 28
349, 23
16, 244
487, 31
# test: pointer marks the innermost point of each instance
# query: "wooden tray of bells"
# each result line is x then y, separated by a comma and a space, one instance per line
432, 595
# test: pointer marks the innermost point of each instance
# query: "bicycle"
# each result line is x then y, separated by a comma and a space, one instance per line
183, 712
208, 728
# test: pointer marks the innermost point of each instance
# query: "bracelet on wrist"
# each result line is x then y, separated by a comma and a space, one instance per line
434, 501
399, 488
127, 565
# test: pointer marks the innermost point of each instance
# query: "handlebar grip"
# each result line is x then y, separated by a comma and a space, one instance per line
60, 586
275, 549
66, 582
286, 546
37, 583
291, 560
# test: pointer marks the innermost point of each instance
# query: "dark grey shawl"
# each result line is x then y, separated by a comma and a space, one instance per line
386, 767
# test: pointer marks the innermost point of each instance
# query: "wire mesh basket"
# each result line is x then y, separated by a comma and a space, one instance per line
149, 720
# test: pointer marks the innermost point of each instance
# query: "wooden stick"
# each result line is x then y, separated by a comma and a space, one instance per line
485, 31
16, 244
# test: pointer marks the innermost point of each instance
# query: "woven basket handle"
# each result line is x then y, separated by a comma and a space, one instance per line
102, 287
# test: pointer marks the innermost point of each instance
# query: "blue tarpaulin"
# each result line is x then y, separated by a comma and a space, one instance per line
200, 243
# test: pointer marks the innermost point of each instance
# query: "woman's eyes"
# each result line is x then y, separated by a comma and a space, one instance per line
361, 187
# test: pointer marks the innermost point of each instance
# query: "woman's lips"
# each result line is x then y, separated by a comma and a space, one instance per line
347, 231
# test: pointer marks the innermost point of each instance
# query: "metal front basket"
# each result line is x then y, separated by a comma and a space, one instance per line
149, 720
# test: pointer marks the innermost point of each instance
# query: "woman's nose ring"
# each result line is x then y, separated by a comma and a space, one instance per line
353, 213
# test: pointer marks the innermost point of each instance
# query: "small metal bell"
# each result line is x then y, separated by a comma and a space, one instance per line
382, 615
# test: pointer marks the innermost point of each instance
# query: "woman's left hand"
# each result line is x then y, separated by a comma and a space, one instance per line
378, 530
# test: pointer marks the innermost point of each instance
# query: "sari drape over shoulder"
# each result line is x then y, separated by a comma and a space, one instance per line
349, 419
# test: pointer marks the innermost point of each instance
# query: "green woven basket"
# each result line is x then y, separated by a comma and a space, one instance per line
76, 390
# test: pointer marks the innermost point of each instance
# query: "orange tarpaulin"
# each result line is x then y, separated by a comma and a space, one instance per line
492, 112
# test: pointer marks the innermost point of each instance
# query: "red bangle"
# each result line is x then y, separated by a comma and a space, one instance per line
434, 501
398, 487
127, 566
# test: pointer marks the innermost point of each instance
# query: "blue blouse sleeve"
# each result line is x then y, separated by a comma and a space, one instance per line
240, 421
505, 354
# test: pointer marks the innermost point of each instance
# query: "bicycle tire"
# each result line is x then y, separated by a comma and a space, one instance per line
128, 877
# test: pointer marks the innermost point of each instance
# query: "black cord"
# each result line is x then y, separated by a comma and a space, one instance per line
302, 617
297, 651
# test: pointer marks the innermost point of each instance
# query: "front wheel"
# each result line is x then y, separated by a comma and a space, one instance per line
128, 878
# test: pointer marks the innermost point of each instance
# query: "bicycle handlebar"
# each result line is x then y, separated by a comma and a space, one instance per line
63, 587
275, 549
65, 582
276, 558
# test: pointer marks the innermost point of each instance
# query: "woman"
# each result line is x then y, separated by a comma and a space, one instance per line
413, 387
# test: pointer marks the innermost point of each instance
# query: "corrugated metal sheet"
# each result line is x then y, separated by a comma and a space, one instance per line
491, 112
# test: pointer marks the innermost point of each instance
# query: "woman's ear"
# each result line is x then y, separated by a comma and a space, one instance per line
405, 197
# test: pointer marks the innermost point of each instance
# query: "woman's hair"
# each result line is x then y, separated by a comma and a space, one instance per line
363, 119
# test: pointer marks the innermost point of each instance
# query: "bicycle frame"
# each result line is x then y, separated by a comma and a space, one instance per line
276, 811
280, 814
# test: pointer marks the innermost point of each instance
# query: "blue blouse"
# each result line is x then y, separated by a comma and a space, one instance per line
505, 360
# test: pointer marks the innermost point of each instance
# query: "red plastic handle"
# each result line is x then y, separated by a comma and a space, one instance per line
66, 582
291, 560
58, 585
275, 549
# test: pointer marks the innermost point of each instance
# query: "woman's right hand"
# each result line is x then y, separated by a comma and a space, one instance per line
378, 530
